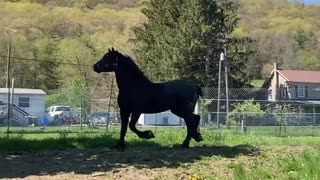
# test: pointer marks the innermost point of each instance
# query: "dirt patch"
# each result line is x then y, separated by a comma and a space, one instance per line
135, 162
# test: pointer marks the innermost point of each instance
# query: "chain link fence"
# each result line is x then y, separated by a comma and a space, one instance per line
245, 110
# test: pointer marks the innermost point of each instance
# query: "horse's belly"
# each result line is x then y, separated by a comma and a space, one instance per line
151, 107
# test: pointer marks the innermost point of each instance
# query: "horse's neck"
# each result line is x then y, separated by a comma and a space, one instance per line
127, 78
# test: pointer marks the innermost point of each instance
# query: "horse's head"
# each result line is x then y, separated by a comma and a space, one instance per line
108, 63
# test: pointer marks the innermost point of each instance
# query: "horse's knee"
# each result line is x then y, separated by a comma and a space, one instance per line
132, 125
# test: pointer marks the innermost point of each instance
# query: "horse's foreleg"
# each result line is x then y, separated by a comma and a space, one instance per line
186, 141
124, 126
192, 123
132, 126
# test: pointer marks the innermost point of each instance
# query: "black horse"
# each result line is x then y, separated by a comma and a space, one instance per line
137, 95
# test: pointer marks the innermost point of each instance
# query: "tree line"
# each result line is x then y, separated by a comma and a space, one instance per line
57, 41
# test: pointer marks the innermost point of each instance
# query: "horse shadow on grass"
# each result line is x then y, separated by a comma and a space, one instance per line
93, 158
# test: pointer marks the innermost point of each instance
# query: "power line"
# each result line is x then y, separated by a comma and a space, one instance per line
192, 64
45, 61
69, 63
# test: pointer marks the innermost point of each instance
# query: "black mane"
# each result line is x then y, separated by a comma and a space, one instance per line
132, 67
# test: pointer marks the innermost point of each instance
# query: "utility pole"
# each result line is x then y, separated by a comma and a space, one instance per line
207, 82
8, 55
8, 75
219, 87
226, 78
8, 86
8, 63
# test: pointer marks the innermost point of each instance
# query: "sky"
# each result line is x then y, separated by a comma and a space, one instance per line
311, 1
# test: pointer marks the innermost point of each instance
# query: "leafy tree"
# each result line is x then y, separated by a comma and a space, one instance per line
79, 94
55, 98
77, 53
47, 77
244, 111
204, 110
282, 113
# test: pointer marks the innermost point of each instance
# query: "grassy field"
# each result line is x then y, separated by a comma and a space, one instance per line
251, 130
224, 154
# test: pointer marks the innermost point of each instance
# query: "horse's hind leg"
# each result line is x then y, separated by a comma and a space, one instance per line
141, 134
186, 141
192, 121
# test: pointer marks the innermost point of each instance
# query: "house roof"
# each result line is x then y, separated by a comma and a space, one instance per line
24, 91
301, 76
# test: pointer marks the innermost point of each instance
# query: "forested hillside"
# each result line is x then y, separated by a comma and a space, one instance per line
57, 41
287, 33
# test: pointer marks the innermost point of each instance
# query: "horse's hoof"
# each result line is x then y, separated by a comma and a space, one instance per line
201, 138
185, 145
150, 134
119, 146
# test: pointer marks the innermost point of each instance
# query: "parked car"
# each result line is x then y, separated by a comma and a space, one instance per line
58, 115
101, 117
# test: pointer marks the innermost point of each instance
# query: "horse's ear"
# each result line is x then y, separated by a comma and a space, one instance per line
109, 50
112, 49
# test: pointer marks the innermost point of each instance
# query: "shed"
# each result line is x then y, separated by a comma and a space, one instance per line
32, 101
160, 119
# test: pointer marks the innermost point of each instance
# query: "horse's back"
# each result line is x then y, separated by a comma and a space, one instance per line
182, 89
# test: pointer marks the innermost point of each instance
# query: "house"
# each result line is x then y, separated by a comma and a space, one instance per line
298, 88
26, 102
160, 119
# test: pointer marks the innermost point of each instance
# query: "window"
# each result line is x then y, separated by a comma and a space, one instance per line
24, 102
62, 108
301, 91
285, 92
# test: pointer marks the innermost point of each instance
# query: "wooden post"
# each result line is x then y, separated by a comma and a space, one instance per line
314, 119
81, 113
8, 86
109, 104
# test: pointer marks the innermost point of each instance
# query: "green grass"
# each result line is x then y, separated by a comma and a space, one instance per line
238, 154
304, 167
52, 139
274, 130
307, 166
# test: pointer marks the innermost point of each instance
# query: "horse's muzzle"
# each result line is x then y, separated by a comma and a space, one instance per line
96, 68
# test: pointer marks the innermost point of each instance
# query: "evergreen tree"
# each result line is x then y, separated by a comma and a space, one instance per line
184, 39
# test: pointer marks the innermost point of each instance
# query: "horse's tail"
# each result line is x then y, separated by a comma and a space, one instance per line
199, 91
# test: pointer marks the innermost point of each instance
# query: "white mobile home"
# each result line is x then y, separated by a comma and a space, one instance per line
161, 119
31, 101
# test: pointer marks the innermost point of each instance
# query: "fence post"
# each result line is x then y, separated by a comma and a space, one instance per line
109, 104
314, 119
242, 119
276, 124
81, 113
8, 110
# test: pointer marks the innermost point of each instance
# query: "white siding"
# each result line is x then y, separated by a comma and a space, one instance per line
159, 119
36, 103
